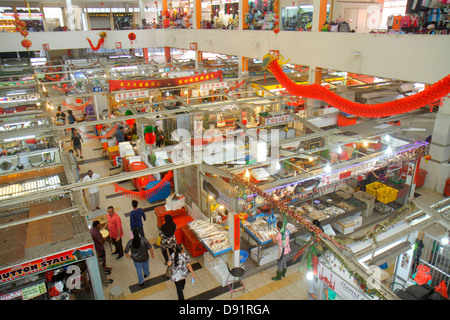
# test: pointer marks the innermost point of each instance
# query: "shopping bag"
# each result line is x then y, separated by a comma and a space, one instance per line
169, 271
442, 289
158, 241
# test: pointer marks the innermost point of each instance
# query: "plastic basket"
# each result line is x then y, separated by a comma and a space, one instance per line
387, 194
243, 255
396, 180
372, 188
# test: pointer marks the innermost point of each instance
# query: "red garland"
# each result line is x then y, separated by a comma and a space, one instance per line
99, 44
315, 91
79, 107
142, 195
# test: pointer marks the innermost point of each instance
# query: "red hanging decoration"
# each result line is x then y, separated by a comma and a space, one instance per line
142, 195
100, 41
132, 37
316, 91
78, 100
79, 107
26, 43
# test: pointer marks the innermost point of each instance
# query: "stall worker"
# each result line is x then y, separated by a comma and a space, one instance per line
282, 238
114, 226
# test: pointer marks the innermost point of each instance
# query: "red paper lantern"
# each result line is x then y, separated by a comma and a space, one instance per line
18, 28
26, 43
78, 100
132, 36
64, 85
22, 24
98, 127
166, 23
130, 122
24, 33
276, 30
143, 181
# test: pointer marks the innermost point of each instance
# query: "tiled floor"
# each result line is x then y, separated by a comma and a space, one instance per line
258, 284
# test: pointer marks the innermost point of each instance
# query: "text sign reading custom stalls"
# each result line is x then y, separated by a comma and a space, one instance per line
115, 85
47, 263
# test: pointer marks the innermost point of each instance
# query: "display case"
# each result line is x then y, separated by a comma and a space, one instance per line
31, 159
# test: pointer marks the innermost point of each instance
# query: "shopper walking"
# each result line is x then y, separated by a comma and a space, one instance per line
136, 217
139, 254
168, 238
282, 239
98, 244
76, 142
181, 266
120, 136
104, 141
115, 229
70, 117
94, 191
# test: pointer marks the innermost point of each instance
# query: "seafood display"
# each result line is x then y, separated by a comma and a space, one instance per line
343, 194
213, 235
346, 206
318, 215
263, 231
334, 211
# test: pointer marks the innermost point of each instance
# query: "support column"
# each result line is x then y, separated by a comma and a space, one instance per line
142, 12
167, 54
243, 69
315, 73
198, 58
438, 167
197, 16
243, 10
95, 277
70, 18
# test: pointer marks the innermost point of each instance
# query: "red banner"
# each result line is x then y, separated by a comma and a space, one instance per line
115, 85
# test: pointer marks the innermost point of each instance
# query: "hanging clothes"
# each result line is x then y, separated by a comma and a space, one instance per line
422, 275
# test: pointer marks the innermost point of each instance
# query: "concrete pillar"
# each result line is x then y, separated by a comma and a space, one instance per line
243, 10
70, 18
243, 69
141, 12
197, 16
438, 167
95, 277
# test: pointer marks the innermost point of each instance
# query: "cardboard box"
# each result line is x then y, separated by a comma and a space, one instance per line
345, 225
357, 219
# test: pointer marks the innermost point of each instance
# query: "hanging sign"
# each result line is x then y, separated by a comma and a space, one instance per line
279, 119
193, 45
342, 288
115, 85
46, 46
118, 45
237, 232
131, 95
213, 86
47, 263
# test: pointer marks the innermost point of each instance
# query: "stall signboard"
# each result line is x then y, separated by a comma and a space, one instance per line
118, 45
193, 45
115, 85
26, 293
54, 261
342, 288
278, 119
99, 15
213, 86
131, 95
122, 15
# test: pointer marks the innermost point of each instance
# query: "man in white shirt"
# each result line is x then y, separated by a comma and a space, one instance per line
94, 191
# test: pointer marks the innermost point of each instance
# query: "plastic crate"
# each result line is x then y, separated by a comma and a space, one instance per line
347, 189
365, 197
396, 180
372, 188
386, 194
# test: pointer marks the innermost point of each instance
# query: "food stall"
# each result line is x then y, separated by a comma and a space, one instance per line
49, 254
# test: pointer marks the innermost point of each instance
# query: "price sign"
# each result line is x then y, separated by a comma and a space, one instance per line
237, 232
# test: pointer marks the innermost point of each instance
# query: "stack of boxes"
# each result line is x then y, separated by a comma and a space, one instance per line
267, 255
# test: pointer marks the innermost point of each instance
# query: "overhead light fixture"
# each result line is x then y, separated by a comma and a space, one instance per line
387, 138
327, 168
277, 166
247, 174
309, 275
388, 150
445, 241
365, 144
20, 138
339, 149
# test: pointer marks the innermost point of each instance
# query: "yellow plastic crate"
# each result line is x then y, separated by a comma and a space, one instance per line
372, 188
387, 194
